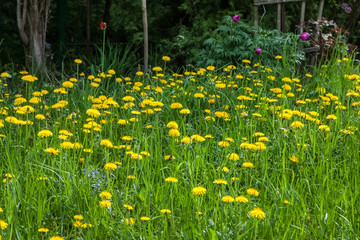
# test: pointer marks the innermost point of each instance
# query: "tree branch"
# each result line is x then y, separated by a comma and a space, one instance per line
21, 20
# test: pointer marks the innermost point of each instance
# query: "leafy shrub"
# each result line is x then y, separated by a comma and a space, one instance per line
234, 41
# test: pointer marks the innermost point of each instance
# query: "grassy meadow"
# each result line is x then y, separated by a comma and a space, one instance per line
238, 152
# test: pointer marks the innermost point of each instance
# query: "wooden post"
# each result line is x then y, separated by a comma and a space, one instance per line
256, 15
302, 16
278, 19
146, 41
321, 7
88, 24
283, 27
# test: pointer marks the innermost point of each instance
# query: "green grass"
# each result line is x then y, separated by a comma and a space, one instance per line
321, 187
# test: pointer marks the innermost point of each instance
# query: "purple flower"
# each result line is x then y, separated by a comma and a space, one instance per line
348, 9
258, 51
344, 5
304, 36
236, 18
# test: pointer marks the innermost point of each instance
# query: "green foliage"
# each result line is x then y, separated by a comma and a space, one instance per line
306, 176
120, 57
234, 41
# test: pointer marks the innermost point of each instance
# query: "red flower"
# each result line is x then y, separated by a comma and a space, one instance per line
103, 25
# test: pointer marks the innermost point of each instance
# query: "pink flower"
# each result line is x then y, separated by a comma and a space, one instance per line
103, 25
258, 51
304, 36
236, 18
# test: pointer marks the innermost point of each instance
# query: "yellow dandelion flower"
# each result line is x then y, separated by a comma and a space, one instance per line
233, 157
93, 112
176, 105
198, 138
248, 165
136, 156
169, 157
56, 238
324, 128
331, 117
129, 221
105, 204
172, 124
224, 144
171, 179
126, 138
263, 139
40, 117
105, 195
45, 133
297, 124
186, 140
67, 84
252, 192
257, 213
185, 111
166, 58
52, 151
294, 159
241, 199
78, 217
199, 95
220, 181
110, 166
43, 230
3, 224
128, 207
174, 133
107, 143
227, 199
165, 211
199, 191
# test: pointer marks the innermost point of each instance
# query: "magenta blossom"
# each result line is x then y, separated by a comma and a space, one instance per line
304, 36
236, 18
258, 51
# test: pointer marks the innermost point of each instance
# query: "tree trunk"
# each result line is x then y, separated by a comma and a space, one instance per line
32, 18
146, 41
88, 23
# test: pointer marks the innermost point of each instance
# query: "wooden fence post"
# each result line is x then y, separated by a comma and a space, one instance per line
256, 15
302, 16
278, 19
146, 40
319, 16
